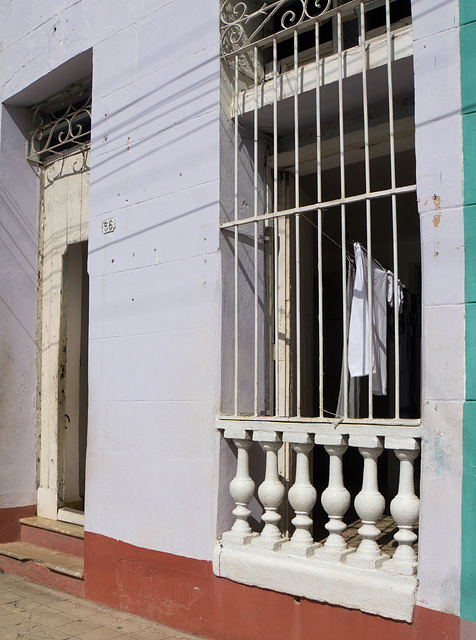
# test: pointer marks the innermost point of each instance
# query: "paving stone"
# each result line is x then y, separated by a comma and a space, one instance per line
101, 633
18, 623
20, 605
7, 596
5, 634
108, 619
79, 626
71, 609
33, 612
53, 619
40, 632
126, 626
149, 634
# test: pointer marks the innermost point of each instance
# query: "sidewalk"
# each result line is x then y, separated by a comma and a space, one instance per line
30, 611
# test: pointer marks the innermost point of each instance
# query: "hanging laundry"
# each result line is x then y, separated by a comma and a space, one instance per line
358, 344
353, 384
390, 291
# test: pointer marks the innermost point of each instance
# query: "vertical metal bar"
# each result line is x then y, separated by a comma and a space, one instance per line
296, 122
255, 189
275, 225
236, 320
275, 123
256, 318
276, 315
298, 315
342, 213
319, 224
236, 136
297, 227
236, 243
391, 123
367, 203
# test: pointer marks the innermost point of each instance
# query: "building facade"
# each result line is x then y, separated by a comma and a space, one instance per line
216, 220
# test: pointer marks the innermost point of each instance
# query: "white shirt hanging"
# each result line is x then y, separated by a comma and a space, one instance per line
358, 345
390, 291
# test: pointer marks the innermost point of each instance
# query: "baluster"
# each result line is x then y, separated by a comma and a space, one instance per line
242, 489
369, 504
404, 507
302, 497
335, 499
271, 492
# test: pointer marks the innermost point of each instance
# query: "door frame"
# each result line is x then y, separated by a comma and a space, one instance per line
64, 206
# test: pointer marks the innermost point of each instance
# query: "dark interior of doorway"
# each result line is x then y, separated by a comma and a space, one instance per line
74, 375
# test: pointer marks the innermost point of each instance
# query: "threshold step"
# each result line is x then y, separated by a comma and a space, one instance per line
53, 560
73, 516
65, 528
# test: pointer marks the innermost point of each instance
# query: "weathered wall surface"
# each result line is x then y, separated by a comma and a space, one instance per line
18, 265
154, 296
439, 179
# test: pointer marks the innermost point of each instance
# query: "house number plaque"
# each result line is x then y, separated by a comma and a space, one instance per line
109, 225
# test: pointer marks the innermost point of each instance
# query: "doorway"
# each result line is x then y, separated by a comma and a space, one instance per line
74, 376
63, 311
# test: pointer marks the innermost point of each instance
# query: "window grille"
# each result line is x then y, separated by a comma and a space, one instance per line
321, 133
60, 125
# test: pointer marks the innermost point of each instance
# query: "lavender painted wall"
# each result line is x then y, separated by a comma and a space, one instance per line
155, 299
18, 265
154, 282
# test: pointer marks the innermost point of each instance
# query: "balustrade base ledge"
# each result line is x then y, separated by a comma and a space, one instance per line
369, 590
362, 561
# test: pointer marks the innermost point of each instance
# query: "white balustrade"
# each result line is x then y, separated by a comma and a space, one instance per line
271, 492
404, 507
302, 497
369, 504
335, 499
242, 489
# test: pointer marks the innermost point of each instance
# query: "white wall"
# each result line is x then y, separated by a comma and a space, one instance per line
440, 196
154, 282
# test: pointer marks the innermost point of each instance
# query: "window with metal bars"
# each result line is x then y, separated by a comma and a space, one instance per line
321, 238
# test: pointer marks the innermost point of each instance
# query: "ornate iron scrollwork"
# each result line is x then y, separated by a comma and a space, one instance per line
60, 124
241, 25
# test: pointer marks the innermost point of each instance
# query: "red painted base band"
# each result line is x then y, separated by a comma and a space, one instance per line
10, 522
185, 594
42, 575
468, 630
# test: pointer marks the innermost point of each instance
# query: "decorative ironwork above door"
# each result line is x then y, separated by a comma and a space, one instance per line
60, 125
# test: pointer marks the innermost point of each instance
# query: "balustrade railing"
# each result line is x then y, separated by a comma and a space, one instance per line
335, 500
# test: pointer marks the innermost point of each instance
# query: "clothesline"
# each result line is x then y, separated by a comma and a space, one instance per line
348, 253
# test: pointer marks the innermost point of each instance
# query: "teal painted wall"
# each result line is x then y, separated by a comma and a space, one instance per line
468, 100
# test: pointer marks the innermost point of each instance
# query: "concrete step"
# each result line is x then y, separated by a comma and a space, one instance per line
43, 566
54, 535
49, 552
56, 561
